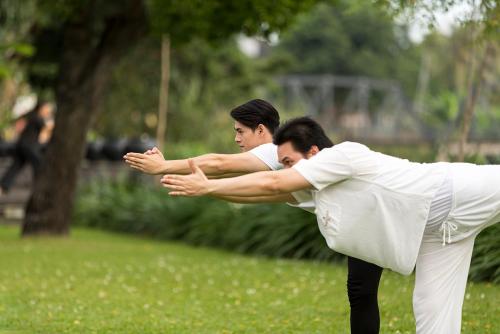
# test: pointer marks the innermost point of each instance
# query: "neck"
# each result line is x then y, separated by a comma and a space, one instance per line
267, 138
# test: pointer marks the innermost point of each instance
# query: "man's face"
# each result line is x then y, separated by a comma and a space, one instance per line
245, 137
288, 156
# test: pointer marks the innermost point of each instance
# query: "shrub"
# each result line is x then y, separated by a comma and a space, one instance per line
485, 264
275, 230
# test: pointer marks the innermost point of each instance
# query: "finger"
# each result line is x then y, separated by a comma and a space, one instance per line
138, 167
134, 160
178, 193
192, 165
175, 187
155, 150
174, 183
195, 168
173, 177
134, 155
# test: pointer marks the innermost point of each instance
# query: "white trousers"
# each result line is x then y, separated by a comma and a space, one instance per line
441, 270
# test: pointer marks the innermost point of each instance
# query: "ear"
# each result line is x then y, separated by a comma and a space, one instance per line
261, 128
312, 151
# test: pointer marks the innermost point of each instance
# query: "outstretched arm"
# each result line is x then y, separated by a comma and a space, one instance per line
254, 184
212, 164
282, 198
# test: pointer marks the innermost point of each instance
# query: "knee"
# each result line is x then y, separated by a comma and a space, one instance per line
362, 281
361, 290
425, 303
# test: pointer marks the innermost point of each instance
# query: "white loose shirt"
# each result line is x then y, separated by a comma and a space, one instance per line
268, 154
372, 206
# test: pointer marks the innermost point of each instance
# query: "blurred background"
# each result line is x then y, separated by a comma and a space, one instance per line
82, 82
369, 71
417, 79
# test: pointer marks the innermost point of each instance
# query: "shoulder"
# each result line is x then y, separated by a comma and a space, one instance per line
268, 148
345, 149
349, 146
267, 153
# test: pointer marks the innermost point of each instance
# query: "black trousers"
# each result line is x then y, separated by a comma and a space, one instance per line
23, 154
362, 288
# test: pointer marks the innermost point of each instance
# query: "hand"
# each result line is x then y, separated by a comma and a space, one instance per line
154, 150
194, 184
149, 162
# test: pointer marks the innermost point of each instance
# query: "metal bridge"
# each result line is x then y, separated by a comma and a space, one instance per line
363, 108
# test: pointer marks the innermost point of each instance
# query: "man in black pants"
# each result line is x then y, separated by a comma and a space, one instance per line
28, 148
255, 122
362, 287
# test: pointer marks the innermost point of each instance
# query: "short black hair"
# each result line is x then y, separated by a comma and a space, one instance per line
303, 133
255, 112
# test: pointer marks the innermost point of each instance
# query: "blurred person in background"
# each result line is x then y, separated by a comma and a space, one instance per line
33, 133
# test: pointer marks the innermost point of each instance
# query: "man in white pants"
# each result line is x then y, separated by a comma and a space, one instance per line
380, 209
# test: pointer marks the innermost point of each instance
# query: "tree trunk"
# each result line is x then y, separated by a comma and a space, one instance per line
85, 68
163, 97
470, 103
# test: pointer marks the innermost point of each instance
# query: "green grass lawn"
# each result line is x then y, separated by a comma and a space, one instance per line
96, 282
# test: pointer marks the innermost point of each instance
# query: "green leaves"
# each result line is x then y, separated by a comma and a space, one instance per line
485, 264
215, 19
24, 49
349, 39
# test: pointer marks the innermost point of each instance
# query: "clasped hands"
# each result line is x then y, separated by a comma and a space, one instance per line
149, 162
152, 161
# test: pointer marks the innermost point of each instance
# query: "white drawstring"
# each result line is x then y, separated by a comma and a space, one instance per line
447, 226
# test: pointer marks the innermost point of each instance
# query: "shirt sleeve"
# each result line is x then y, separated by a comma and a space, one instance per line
268, 154
329, 166
304, 199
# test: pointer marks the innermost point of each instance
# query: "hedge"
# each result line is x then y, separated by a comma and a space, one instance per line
274, 230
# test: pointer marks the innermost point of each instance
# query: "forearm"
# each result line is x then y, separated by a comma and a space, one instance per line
217, 165
258, 184
282, 198
225, 175
209, 163
249, 185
